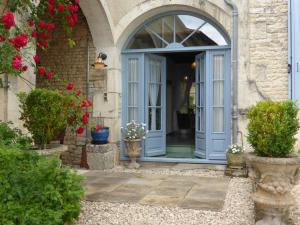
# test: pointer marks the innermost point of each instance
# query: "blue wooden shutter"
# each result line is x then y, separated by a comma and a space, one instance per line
200, 150
218, 103
133, 90
155, 105
294, 31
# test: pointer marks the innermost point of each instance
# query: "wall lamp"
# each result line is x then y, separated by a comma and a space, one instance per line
99, 63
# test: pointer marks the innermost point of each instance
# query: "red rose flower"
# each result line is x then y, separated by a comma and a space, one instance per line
34, 33
77, 1
79, 130
48, 75
70, 86
78, 92
19, 41
85, 119
83, 104
52, 2
49, 26
43, 44
72, 8
51, 9
2, 38
8, 20
99, 127
87, 114
36, 58
41, 24
17, 62
61, 7
89, 103
71, 21
30, 23
41, 71
24, 68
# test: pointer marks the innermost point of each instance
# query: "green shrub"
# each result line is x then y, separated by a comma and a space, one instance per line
44, 114
272, 128
10, 135
37, 191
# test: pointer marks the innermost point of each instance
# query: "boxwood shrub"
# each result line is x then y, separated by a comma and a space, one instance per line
36, 191
272, 127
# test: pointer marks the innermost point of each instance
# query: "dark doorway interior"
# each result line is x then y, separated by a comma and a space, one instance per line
180, 103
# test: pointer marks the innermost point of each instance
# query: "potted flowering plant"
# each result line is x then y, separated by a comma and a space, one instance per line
99, 134
235, 156
133, 134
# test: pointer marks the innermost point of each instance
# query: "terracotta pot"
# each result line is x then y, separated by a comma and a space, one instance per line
273, 179
133, 150
235, 160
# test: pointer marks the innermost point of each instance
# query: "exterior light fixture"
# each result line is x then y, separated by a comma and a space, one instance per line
186, 78
99, 64
193, 65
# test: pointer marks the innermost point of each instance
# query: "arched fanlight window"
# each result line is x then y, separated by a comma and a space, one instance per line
176, 31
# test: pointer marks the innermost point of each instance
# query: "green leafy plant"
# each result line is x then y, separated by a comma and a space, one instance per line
36, 190
10, 135
272, 127
44, 114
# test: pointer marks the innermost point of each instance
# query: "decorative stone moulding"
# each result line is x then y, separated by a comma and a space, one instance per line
273, 180
100, 157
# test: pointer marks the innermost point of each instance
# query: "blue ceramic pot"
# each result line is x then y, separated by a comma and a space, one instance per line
101, 136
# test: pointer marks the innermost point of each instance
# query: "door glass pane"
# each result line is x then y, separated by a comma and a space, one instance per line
133, 89
144, 39
168, 28
154, 93
218, 93
218, 121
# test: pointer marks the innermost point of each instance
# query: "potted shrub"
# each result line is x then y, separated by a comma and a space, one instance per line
99, 134
235, 156
133, 134
273, 166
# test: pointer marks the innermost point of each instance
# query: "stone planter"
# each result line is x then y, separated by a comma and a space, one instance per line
100, 157
52, 150
235, 160
133, 150
273, 179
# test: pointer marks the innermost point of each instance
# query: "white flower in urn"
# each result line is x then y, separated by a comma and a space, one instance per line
235, 149
134, 131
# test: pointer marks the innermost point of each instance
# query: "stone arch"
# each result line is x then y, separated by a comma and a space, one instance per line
99, 21
220, 15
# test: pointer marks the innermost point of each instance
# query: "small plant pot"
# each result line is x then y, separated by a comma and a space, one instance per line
100, 137
133, 150
235, 160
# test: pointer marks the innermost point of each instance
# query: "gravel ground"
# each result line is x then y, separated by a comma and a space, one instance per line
238, 208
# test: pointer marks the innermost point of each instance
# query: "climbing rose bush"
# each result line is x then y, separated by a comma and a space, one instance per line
35, 27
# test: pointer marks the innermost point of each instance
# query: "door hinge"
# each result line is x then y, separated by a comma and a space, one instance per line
289, 68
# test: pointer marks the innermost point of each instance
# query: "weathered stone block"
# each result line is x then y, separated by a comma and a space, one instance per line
100, 157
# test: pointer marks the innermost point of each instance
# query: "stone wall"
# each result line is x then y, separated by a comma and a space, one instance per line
71, 66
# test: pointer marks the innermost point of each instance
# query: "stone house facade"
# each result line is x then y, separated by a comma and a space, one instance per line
109, 25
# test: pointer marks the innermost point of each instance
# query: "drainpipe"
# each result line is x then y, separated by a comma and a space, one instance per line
234, 63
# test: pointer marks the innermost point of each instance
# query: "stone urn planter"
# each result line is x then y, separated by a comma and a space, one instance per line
273, 179
235, 160
133, 150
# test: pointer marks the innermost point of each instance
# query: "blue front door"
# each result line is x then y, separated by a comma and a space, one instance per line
155, 104
213, 104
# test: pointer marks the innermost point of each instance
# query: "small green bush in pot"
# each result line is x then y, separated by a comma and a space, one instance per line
272, 128
43, 113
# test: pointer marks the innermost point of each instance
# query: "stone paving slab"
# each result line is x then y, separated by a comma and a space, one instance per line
207, 193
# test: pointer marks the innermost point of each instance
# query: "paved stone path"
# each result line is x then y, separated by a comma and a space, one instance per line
207, 193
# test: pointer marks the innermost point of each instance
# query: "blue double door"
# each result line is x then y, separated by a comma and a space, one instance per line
144, 101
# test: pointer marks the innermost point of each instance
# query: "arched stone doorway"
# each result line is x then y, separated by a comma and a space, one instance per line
178, 40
